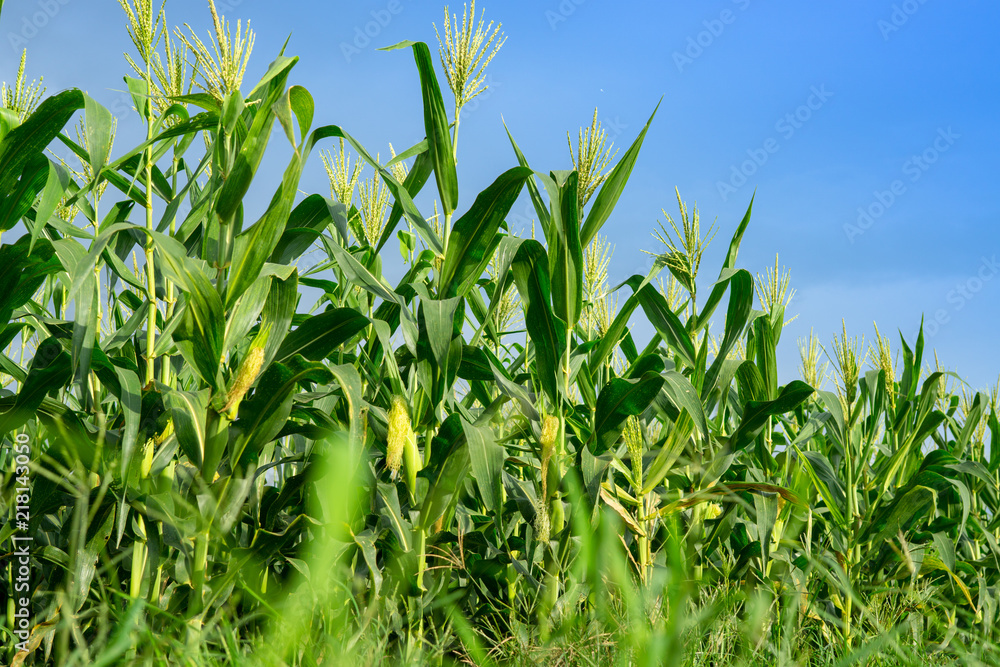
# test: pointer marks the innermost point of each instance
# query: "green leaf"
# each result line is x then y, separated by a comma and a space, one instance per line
566, 263
446, 478
188, 410
238, 180
263, 417
305, 223
362, 277
536, 198
436, 126
666, 323
139, 91
351, 386
740, 307
200, 336
727, 266
16, 202
487, 459
98, 125
297, 103
438, 319
318, 336
23, 273
415, 180
131, 404
31, 137
245, 313
613, 187
684, 396
764, 345
905, 509
766, 509
827, 484
366, 542
548, 334
475, 365
750, 383
618, 400
94, 539
50, 370
473, 237
52, 194
756, 413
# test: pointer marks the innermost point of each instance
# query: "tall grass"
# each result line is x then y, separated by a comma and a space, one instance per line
477, 465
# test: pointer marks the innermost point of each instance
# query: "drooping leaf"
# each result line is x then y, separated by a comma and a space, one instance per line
435, 125
188, 410
756, 413
618, 400
31, 137
321, 334
827, 483
50, 370
487, 459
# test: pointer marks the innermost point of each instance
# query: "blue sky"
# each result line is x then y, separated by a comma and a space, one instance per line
868, 129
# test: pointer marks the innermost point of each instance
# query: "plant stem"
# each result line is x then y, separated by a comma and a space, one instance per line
421, 556
198, 573
150, 266
139, 557
171, 299
852, 510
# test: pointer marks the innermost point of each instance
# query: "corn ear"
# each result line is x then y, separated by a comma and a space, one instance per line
401, 449
247, 373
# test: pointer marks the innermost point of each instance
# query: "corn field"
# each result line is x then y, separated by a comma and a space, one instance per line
479, 464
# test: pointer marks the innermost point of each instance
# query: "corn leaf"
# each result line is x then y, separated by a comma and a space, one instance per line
607, 197
474, 235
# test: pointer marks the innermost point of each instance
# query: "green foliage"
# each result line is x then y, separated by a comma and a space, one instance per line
220, 474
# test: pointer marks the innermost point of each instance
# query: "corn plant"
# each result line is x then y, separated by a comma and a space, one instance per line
478, 463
